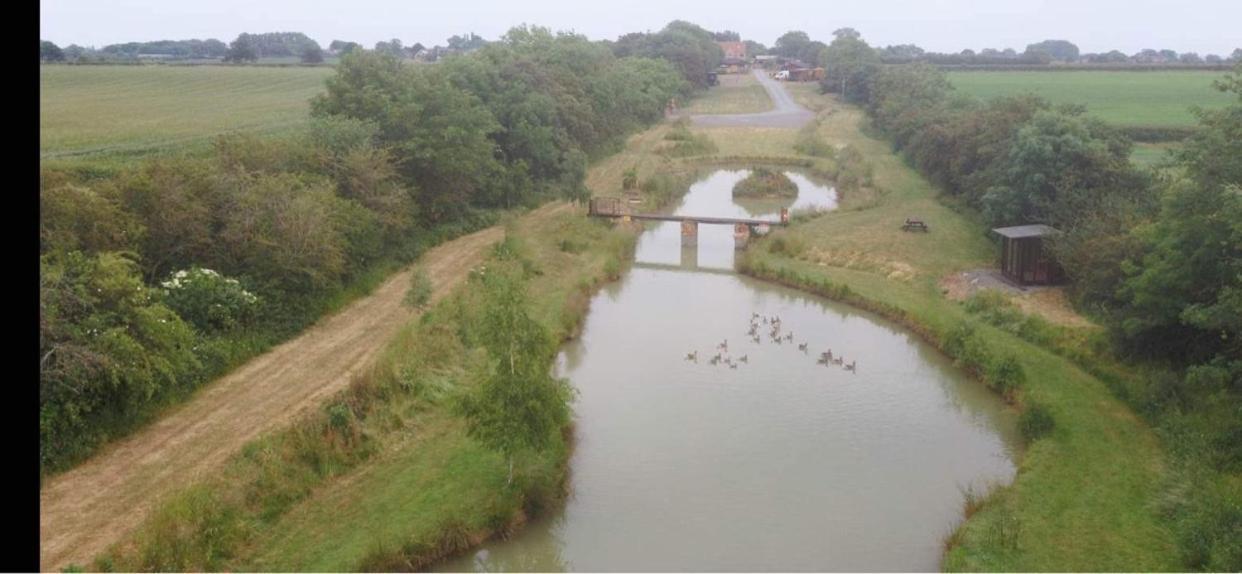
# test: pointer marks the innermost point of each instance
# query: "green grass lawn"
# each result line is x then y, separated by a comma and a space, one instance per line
93, 111
736, 94
1122, 98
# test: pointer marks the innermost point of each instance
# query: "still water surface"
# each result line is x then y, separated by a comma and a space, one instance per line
781, 463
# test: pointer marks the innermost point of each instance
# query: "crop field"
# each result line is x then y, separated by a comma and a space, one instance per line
110, 111
1128, 99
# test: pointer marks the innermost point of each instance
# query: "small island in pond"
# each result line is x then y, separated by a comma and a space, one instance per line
764, 183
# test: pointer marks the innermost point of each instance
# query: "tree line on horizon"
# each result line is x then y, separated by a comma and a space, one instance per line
794, 44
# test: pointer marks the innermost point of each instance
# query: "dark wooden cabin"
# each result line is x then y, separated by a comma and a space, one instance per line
1024, 257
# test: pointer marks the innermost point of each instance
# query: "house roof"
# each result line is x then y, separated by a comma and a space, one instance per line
1021, 231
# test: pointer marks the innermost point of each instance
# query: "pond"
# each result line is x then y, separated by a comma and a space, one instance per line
768, 459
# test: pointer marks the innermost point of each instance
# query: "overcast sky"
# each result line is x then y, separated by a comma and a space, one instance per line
938, 25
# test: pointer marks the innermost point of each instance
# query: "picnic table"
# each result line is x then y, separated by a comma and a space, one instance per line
914, 224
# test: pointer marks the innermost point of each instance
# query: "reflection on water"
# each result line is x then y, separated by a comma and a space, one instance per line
781, 463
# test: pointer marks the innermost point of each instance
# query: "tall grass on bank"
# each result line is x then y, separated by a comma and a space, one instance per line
333, 492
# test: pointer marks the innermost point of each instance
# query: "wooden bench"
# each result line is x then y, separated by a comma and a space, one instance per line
912, 224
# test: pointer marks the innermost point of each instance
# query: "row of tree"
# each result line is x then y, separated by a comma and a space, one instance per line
249, 48
1154, 256
1050, 51
157, 278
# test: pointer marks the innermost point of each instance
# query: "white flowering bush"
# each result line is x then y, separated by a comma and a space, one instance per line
208, 300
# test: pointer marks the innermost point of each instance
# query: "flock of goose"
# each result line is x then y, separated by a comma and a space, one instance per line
774, 333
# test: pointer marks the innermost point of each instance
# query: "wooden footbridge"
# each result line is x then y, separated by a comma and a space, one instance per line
615, 207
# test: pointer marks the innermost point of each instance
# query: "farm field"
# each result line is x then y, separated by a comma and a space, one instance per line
106, 111
1128, 99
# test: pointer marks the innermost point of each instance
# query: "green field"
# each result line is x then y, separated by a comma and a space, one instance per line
94, 111
1130, 99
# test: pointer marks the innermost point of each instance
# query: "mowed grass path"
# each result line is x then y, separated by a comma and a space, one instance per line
1121, 98
90, 110
736, 94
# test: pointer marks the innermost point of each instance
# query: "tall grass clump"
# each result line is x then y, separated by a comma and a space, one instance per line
810, 143
971, 350
685, 143
419, 293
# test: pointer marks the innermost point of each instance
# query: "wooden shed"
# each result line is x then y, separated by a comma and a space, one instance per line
1024, 257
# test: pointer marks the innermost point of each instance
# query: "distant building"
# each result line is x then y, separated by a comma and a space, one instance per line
1025, 257
733, 50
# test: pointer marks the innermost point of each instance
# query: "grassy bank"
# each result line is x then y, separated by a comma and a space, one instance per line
386, 476
1085, 494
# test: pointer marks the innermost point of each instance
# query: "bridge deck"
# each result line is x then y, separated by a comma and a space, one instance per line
696, 218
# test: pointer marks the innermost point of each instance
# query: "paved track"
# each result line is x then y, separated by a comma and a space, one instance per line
786, 113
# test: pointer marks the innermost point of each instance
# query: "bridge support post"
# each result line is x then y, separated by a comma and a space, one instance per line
689, 233
689, 257
741, 235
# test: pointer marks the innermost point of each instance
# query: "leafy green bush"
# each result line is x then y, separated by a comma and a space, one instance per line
1035, 422
209, 301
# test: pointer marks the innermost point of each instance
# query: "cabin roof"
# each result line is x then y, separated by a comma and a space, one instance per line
1022, 231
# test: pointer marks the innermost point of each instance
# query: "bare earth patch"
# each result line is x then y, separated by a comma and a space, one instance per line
862, 261
1050, 303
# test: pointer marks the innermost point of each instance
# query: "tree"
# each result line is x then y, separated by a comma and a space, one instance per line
791, 43
727, 36
1060, 165
341, 47
75, 53
1236, 56
1190, 58
518, 406
439, 133
392, 47
1059, 50
312, 55
49, 52
466, 43
242, 49
688, 47
849, 63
